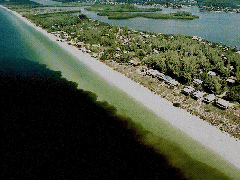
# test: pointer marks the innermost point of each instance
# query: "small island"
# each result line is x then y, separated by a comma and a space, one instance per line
130, 11
178, 15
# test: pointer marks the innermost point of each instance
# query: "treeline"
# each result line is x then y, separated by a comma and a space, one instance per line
177, 15
119, 8
18, 2
219, 3
181, 57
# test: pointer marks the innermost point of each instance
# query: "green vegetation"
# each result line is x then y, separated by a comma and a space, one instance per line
59, 13
219, 3
120, 12
179, 56
177, 15
120, 8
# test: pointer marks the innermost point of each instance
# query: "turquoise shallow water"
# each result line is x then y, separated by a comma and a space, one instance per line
22, 41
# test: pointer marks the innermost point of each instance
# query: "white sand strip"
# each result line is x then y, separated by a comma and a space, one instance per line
208, 135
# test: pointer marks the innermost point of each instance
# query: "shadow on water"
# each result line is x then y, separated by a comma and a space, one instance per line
53, 130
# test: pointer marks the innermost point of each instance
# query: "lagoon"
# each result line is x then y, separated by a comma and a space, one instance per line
213, 26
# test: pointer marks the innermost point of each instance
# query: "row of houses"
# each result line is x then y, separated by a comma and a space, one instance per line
155, 74
221, 103
188, 90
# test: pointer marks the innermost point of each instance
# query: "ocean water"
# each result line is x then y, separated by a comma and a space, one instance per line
21, 44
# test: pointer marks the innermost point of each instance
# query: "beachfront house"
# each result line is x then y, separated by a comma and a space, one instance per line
94, 55
149, 72
134, 62
155, 51
117, 55
194, 38
197, 95
209, 98
197, 81
230, 81
173, 82
211, 73
187, 90
101, 53
161, 76
223, 104
155, 73
167, 79
170, 81
79, 44
83, 49
143, 69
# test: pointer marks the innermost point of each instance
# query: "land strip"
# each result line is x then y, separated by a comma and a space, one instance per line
199, 59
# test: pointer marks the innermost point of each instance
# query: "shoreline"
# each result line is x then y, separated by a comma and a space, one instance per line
208, 135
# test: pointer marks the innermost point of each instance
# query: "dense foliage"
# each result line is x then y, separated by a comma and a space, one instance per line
220, 3
119, 8
18, 2
179, 56
177, 15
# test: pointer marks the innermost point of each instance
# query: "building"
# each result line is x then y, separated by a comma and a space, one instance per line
149, 72
161, 76
79, 44
94, 55
223, 104
167, 78
134, 63
209, 98
187, 90
197, 95
211, 73
143, 69
117, 55
230, 81
101, 53
155, 73
197, 81
173, 82
84, 49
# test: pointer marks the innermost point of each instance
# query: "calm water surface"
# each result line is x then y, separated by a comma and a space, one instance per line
213, 26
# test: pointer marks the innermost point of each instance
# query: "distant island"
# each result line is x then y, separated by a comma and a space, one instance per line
119, 8
205, 5
178, 15
131, 11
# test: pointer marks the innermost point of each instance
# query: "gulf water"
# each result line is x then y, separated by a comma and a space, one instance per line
21, 44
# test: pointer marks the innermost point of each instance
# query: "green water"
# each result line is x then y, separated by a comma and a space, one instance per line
195, 160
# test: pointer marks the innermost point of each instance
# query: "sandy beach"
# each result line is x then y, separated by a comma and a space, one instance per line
208, 135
